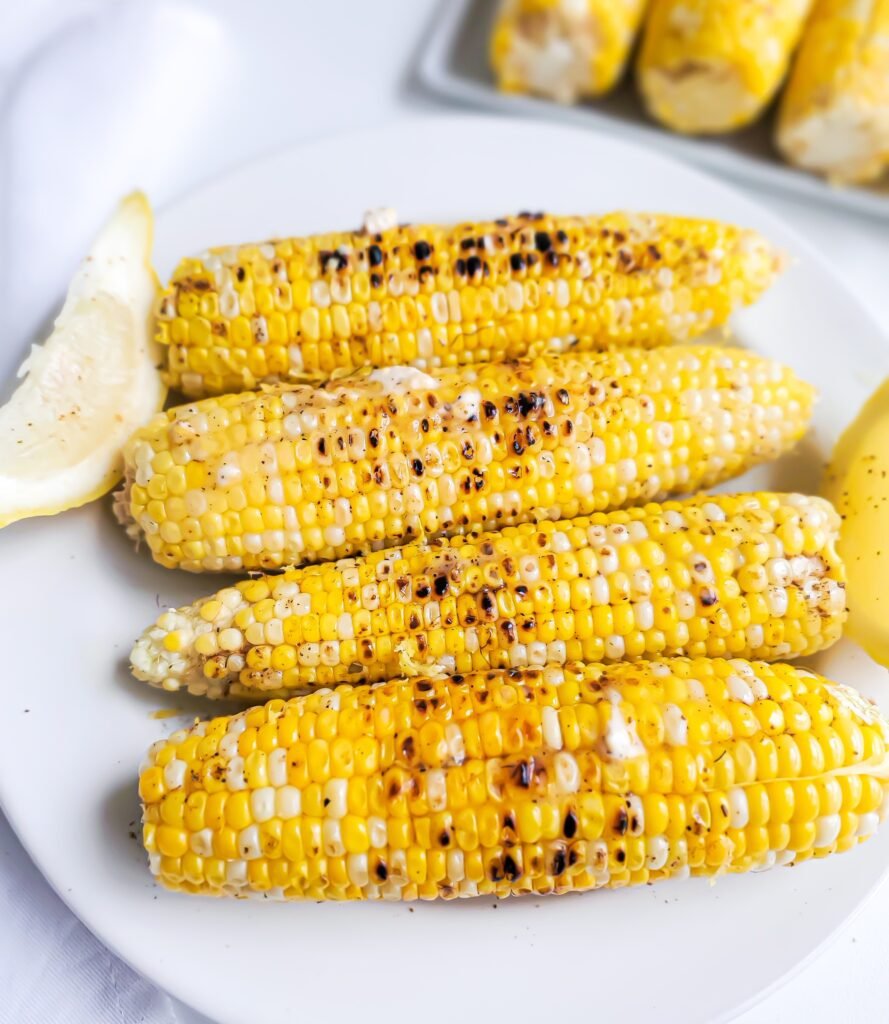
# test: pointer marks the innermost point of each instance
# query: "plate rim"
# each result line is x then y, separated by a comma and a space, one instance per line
787, 235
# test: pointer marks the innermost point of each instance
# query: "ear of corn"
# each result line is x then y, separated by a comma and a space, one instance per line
714, 65
530, 781
751, 576
429, 296
834, 116
564, 51
298, 474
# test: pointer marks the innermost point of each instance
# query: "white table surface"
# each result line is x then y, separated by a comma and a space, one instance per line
164, 95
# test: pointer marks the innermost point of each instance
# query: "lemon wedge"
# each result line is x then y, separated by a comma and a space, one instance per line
857, 482
91, 383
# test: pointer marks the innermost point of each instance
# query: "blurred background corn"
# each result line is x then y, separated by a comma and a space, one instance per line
528, 781
834, 116
299, 474
714, 65
429, 296
753, 575
563, 51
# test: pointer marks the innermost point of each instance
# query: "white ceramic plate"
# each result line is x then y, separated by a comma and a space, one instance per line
454, 63
75, 595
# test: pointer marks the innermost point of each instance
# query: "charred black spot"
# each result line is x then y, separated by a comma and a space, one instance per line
322, 446
521, 590
422, 250
441, 585
620, 856
444, 839
417, 466
473, 265
654, 252
510, 868
460, 268
487, 602
376, 281
374, 437
422, 590
509, 822
517, 261
561, 237
424, 686
467, 243
509, 631
621, 821
509, 406
552, 258
420, 705
708, 597
563, 396
518, 442
570, 825
490, 410
374, 255
407, 748
381, 871
558, 862
542, 241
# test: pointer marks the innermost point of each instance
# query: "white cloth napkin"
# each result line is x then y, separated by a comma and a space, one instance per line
54, 971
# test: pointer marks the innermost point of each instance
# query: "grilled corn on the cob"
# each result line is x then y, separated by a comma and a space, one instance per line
302, 474
430, 296
714, 65
834, 115
752, 575
527, 781
564, 51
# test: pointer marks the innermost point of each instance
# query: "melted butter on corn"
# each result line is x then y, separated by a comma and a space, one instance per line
300, 474
429, 296
753, 575
525, 781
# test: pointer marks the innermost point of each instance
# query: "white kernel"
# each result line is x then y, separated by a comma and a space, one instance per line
288, 802
236, 873
335, 794
174, 774
567, 772
456, 869
332, 838
657, 850
614, 648
776, 601
320, 294
377, 832
552, 730
600, 593
636, 814
867, 824
739, 810
675, 726
739, 689
201, 842
643, 612
234, 775
436, 789
827, 830
248, 843
625, 471
262, 803
454, 740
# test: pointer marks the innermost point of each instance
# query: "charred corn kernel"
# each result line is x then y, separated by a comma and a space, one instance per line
563, 51
464, 450
448, 296
541, 817
714, 65
834, 115
448, 604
